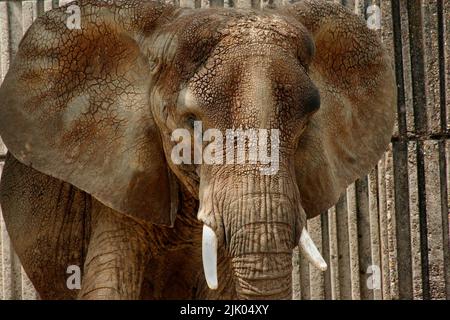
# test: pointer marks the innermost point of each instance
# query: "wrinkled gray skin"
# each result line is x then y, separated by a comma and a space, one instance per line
87, 116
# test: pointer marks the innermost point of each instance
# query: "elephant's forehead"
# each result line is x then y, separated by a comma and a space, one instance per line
232, 28
264, 30
258, 27
264, 90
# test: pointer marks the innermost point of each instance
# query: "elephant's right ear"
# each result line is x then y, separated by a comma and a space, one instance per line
353, 127
75, 105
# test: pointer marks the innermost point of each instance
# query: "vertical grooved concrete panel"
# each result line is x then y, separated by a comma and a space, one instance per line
353, 241
334, 254
343, 245
396, 218
363, 227
374, 281
403, 229
391, 224
434, 221
431, 65
446, 64
409, 112
187, 3
326, 255
384, 230
316, 276
415, 220
304, 278
2, 273
296, 277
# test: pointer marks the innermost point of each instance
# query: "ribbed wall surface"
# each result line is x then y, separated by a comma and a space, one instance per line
397, 218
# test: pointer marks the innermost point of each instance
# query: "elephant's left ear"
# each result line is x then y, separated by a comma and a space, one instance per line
75, 105
354, 124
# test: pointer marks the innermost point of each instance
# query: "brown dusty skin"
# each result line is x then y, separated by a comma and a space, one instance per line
87, 116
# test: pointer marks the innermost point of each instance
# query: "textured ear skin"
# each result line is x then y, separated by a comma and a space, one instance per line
354, 124
74, 105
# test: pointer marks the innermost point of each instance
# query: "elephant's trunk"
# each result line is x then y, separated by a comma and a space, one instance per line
261, 221
263, 276
262, 236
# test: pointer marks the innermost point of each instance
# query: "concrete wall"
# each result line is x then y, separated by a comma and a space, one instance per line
391, 226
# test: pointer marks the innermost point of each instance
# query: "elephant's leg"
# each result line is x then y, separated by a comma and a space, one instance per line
116, 258
49, 222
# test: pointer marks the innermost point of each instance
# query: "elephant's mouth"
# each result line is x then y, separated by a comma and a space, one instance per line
209, 255
259, 232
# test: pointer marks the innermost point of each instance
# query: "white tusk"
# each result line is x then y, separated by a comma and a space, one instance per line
209, 256
309, 249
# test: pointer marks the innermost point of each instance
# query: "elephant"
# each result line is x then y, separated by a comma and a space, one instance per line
88, 116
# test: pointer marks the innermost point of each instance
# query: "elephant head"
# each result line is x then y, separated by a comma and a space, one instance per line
97, 107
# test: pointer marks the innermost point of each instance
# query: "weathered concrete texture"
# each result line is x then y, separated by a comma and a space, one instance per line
387, 36
315, 275
187, 3
343, 249
407, 109
4, 40
334, 254
11, 32
445, 69
1, 245
242, 4
363, 231
29, 13
384, 230
402, 218
15, 18
434, 221
416, 44
446, 212
415, 221
359, 7
305, 284
396, 218
296, 281
326, 253
15, 26
205, 4
391, 224
431, 65
353, 241
375, 241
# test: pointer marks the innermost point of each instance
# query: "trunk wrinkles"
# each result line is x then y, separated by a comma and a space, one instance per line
261, 224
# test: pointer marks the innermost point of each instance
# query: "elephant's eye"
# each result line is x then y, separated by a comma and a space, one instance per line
312, 101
